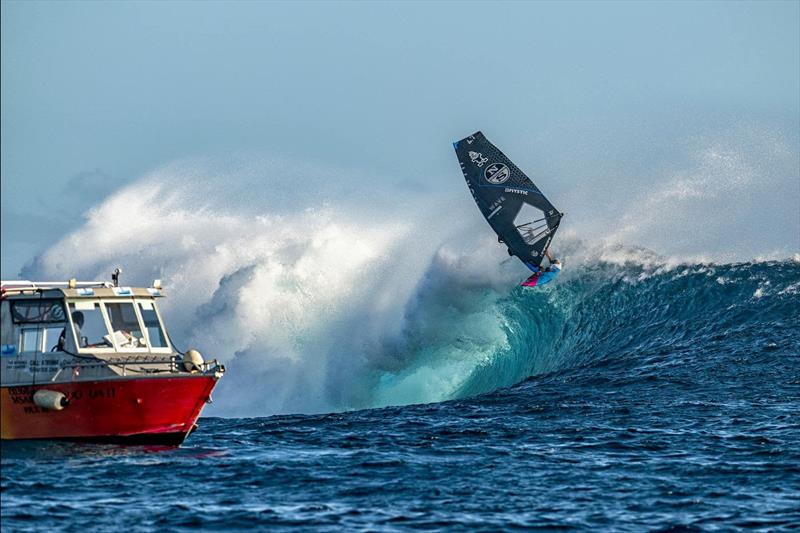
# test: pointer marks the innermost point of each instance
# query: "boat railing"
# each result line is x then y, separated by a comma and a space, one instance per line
174, 363
11, 286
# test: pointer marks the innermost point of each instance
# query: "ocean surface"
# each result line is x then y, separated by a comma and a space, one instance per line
626, 398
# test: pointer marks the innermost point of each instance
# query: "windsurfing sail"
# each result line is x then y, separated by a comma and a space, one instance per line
523, 218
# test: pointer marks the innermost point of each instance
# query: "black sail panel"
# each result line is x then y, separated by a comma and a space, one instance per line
523, 218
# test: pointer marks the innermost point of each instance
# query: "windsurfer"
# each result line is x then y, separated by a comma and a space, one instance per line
543, 275
519, 213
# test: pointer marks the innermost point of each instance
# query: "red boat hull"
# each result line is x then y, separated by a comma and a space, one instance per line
146, 410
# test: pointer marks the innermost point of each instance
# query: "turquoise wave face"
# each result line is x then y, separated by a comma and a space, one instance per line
462, 341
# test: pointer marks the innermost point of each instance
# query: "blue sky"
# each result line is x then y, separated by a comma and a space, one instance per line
96, 94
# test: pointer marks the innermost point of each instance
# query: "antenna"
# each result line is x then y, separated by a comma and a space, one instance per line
115, 276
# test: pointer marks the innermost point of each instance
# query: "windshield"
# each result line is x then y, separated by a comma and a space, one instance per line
131, 325
89, 325
152, 325
125, 323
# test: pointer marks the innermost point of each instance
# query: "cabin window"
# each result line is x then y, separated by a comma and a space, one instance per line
40, 339
8, 344
152, 325
89, 325
50, 339
125, 323
30, 340
40, 310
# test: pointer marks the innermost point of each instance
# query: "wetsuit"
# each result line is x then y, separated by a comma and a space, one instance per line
542, 276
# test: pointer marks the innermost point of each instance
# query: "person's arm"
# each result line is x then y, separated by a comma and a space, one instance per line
548, 255
534, 267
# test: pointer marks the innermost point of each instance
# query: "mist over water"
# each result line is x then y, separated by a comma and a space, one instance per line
324, 289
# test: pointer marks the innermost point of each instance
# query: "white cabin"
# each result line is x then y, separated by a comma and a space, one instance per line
68, 331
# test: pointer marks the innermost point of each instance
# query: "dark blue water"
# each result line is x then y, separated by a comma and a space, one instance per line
670, 401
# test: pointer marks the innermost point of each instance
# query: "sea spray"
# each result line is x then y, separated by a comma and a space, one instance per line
322, 293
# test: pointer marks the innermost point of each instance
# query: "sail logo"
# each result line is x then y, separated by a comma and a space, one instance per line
497, 173
477, 158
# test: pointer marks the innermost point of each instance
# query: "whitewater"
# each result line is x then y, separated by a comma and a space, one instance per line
326, 290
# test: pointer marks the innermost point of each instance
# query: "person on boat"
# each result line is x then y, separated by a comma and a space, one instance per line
77, 319
541, 275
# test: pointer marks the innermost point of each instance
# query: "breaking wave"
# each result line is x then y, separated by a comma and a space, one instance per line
321, 296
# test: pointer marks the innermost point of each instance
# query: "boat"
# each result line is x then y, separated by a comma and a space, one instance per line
93, 361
